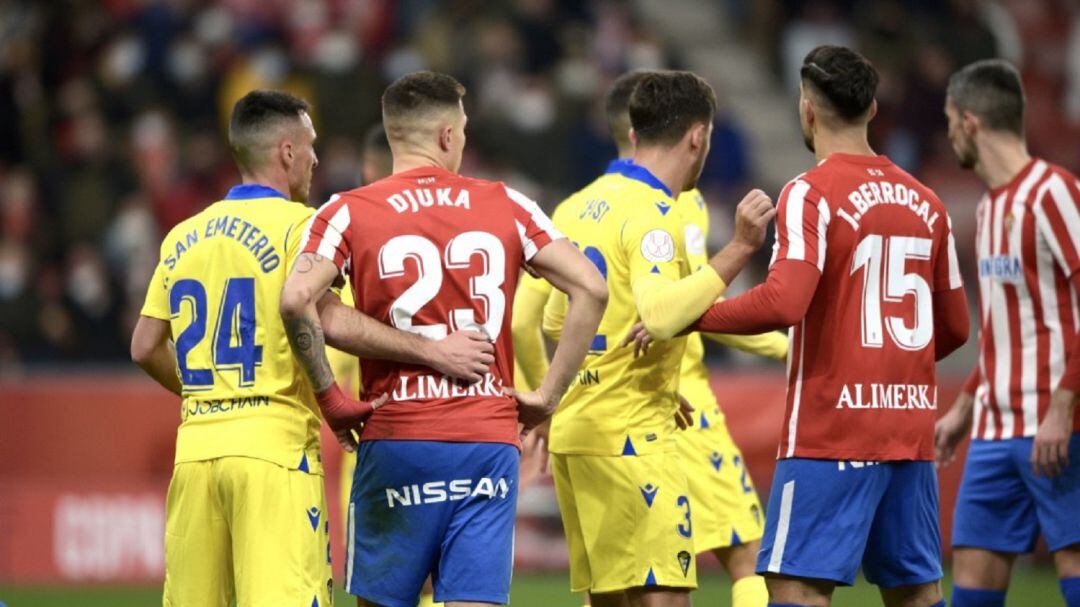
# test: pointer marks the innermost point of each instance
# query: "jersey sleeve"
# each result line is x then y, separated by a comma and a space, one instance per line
534, 227
1058, 219
294, 237
947, 266
327, 233
802, 222
771, 344
653, 245
156, 304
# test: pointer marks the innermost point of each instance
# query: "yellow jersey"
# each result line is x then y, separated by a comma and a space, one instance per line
623, 222
694, 374
218, 284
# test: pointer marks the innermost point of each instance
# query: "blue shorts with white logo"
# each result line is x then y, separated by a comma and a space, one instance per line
825, 518
1002, 503
444, 509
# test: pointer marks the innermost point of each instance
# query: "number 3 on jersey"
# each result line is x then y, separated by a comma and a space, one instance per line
898, 285
485, 288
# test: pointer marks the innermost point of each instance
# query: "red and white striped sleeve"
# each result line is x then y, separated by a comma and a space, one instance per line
534, 227
1057, 214
327, 233
802, 222
947, 266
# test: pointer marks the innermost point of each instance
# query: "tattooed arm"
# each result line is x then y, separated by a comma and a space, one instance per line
306, 284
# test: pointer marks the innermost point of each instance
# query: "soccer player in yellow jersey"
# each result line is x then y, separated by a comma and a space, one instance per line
623, 495
727, 514
246, 508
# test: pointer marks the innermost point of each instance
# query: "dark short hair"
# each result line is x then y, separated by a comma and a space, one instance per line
617, 104
417, 93
375, 140
992, 90
254, 115
665, 105
845, 79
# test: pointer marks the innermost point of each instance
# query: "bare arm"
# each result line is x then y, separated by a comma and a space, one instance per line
152, 350
463, 354
561, 264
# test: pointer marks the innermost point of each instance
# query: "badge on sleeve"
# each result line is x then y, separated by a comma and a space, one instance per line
657, 246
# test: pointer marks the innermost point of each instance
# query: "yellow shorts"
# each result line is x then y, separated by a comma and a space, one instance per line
627, 521
727, 511
245, 529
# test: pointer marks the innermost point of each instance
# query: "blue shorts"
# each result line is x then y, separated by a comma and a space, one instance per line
1002, 503
826, 517
422, 508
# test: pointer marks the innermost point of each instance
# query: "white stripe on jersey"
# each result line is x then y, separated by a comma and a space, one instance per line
955, 281
540, 218
1000, 324
794, 222
783, 524
307, 228
796, 399
1028, 339
332, 238
986, 207
824, 215
1055, 187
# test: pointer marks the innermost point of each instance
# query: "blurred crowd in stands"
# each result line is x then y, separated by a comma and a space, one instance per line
114, 111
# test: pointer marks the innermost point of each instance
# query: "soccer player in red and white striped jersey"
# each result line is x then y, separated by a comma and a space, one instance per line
865, 273
430, 251
1019, 402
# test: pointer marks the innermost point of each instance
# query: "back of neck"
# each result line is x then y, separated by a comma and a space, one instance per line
843, 142
665, 166
1001, 158
279, 182
416, 160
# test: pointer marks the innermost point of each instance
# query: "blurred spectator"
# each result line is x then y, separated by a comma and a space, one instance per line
120, 109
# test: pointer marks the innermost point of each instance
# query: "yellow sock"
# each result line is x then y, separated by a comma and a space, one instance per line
750, 591
428, 600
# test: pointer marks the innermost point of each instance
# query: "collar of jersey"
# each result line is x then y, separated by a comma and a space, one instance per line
1016, 178
627, 168
249, 191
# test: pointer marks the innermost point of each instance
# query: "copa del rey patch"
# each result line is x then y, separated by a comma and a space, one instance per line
657, 246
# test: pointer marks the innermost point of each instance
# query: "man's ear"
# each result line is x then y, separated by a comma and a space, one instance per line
873, 109
808, 109
633, 137
446, 135
969, 123
285, 153
698, 134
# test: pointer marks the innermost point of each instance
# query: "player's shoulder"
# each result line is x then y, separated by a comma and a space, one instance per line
292, 211
692, 204
1054, 170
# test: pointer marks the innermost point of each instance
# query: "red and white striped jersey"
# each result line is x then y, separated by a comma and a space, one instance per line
1028, 246
861, 378
432, 252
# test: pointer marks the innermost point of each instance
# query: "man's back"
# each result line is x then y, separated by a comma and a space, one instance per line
625, 223
863, 356
448, 251
218, 283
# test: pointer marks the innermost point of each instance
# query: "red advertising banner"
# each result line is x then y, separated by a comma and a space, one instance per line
85, 464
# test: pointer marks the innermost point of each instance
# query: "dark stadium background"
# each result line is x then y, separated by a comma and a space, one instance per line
111, 118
